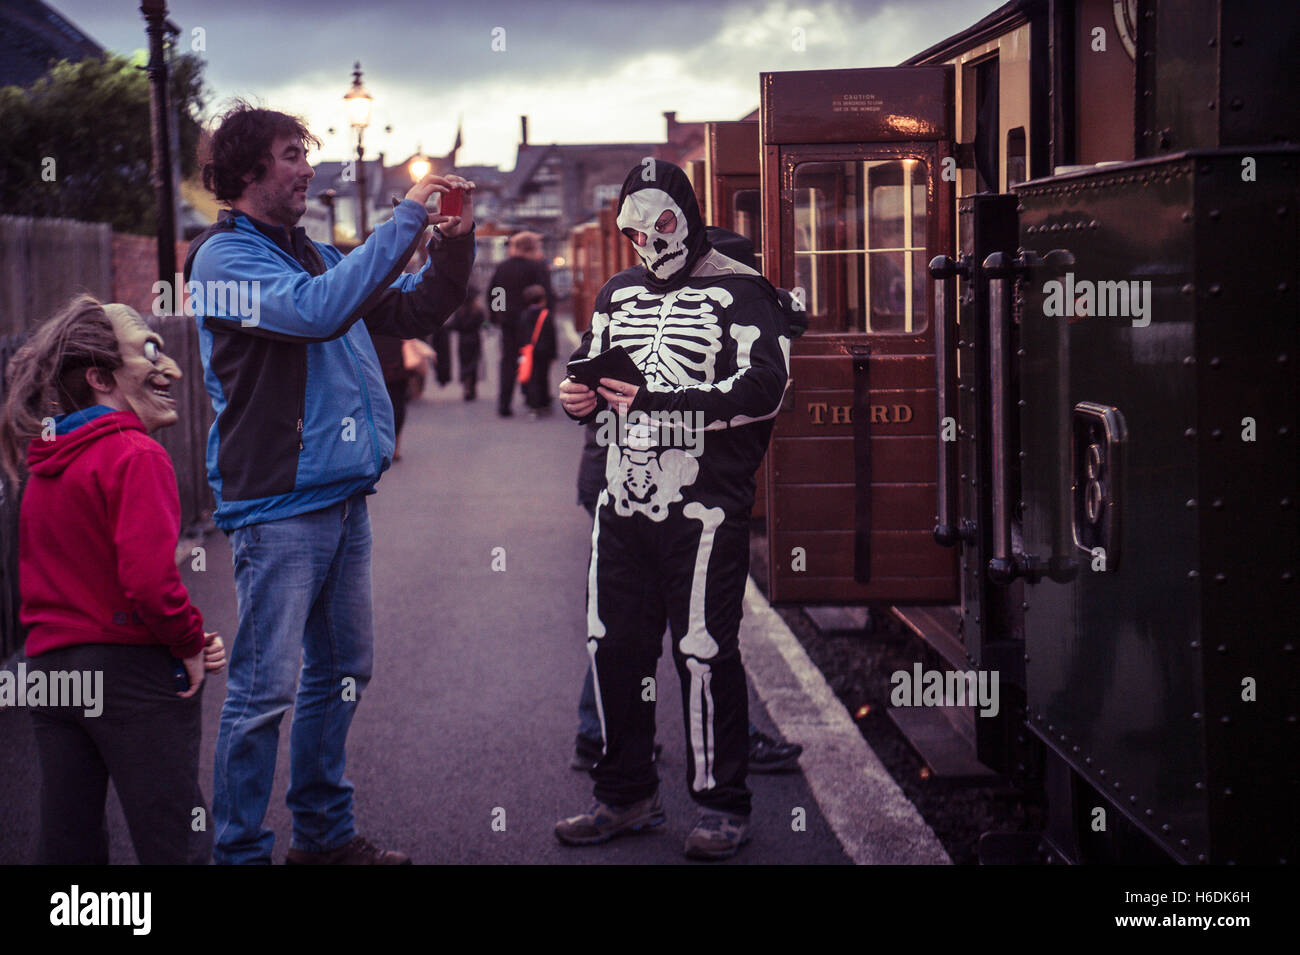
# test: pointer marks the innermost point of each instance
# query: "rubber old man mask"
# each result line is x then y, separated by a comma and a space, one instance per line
143, 383
658, 212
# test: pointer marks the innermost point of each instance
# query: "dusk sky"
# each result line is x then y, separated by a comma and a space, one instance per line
582, 72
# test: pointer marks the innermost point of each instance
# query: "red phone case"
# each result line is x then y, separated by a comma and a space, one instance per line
451, 202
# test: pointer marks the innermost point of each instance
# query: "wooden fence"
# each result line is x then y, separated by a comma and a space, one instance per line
43, 263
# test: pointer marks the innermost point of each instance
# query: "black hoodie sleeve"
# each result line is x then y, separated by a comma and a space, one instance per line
417, 305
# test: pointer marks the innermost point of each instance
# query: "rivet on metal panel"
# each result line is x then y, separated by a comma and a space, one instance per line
1289, 647
1189, 433
1282, 430
1093, 224
1215, 288
1286, 502
1164, 827
1286, 576
1228, 791
1222, 648
1116, 784
1196, 716
1027, 660
1225, 720
1217, 434
1189, 360
1191, 504
1074, 749
1192, 574
1151, 812
1217, 504
1132, 799
1199, 786
1187, 217
1051, 727
1087, 760
1214, 215
1101, 772
1024, 606
1020, 353
1201, 857
1184, 843
1281, 211
1195, 644
1220, 577
1216, 361
1236, 39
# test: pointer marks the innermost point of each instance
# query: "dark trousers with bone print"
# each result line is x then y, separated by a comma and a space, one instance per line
688, 573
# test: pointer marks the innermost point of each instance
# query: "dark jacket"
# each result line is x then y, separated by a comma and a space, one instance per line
513, 276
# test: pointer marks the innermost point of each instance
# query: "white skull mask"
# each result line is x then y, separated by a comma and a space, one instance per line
658, 230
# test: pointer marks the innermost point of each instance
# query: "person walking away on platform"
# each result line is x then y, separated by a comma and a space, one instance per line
100, 593
505, 302
670, 541
537, 329
303, 431
468, 322
394, 361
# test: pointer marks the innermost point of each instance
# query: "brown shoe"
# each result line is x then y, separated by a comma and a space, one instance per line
357, 852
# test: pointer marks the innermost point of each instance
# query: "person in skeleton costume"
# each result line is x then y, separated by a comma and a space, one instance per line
670, 542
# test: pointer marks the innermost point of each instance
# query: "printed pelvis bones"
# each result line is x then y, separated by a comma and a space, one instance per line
648, 480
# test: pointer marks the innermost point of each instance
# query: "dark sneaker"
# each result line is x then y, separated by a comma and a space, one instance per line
717, 835
357, 852
602, 822
767, 755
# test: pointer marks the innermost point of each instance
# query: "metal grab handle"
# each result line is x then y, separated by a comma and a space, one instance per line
1001, 270
1005, 565
944, 270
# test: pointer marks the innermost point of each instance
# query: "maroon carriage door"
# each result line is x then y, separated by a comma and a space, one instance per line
856, 203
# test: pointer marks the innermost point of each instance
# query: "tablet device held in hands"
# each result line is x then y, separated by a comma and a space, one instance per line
613, 363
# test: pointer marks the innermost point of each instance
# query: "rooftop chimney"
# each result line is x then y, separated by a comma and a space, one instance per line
670, 119
523, 130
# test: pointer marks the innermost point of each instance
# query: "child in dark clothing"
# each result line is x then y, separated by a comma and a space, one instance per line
467, 321
537, 325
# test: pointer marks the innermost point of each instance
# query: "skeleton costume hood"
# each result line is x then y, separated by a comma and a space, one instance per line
658, 211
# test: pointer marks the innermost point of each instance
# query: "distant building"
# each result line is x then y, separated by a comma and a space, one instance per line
556, 186
33, 37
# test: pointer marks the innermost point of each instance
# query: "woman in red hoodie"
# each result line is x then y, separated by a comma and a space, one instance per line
101, 596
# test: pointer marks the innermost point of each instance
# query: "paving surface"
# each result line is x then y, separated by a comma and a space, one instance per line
477, 672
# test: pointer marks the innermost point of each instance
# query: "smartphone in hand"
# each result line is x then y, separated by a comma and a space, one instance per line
451, 202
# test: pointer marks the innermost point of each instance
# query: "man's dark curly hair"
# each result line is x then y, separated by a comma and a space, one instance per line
242, 144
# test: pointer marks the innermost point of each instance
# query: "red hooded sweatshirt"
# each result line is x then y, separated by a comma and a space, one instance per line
97, 533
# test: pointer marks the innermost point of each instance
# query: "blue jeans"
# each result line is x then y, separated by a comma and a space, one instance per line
305, 640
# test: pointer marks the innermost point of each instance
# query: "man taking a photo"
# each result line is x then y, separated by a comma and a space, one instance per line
303, 430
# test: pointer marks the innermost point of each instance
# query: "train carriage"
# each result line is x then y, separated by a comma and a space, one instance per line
969, 438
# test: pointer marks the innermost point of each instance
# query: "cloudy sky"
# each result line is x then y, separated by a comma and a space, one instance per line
581, 71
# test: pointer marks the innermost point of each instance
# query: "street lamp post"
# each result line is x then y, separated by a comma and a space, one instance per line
358, 103
155, 14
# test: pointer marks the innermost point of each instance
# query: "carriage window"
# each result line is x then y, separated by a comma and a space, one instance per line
859, 244
747, 219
